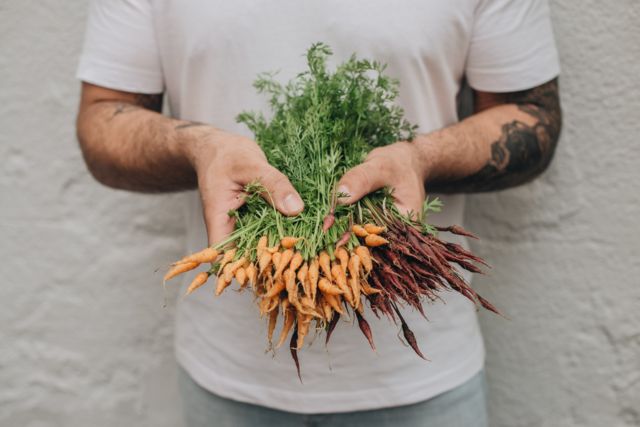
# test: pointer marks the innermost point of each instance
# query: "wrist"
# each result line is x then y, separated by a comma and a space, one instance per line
197, 144
427, 157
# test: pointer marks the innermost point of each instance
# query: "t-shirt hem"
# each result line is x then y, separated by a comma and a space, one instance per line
335, 401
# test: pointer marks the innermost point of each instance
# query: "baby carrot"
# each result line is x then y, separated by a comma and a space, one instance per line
179, 269
374, 240
373, 229
359, 230
365, 257
326, 287
205, 255
325, 266
199, 280
289, 242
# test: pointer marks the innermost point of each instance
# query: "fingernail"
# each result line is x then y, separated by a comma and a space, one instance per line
345, 190
292, 203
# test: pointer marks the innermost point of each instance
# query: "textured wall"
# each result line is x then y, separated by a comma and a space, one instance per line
85, 340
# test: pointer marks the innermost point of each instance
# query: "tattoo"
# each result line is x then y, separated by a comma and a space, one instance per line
523, 151
123, 108
189, 125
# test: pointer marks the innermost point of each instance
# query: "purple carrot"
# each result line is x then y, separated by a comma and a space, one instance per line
408, 334
332, 326
294, 350
343, 239
328, 222
366, 329
456, 229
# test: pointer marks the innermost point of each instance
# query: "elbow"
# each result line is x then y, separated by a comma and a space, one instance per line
95, 161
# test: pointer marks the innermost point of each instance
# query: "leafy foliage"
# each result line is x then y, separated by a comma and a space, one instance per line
322, 124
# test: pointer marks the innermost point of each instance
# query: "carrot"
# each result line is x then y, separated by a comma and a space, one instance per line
289, 317
334, 302
303, 328
277, 287
230, 269
367, 289
264, 261
179, 269
221, 285
341, 280
313, 277
327, 310
327, 288
273, 303
291, 286
374, 240
273, 249
204, 256
354, 273
359, 230
199, 280
283, 262
366, 330
325, 264
241, 276
289, 242
365, 257
273, 319
275, 259
296, 261
251, 274
304, 279
226, 258
343, 256
261, 247
373, 229
343, 239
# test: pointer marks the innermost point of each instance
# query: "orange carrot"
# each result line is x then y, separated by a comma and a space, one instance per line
326, 287
296, 261
303, 278
325, 265
204, 256
291, 285
283, 263
273, 319
241, 276
334, 302
230, 269
365, 258
251, 274
341, 280
179, 269
261, 247
273, 249
367, 289
277, 287
221, 285
354, 273
373, 229
313, 277
343, 256
374, 240
289, 317
359, 231
264, 261
199, 280
226, 258
289, 242
275, 259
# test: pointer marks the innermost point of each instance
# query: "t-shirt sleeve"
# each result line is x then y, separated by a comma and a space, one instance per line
512, 46
120, 50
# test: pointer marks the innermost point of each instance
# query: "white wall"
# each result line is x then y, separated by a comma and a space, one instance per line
85, 340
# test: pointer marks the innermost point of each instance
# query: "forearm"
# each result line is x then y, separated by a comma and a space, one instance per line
499, 147
131, 147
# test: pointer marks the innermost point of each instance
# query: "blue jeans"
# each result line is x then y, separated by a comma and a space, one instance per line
464, 406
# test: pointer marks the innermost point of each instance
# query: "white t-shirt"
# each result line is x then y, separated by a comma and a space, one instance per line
205, 55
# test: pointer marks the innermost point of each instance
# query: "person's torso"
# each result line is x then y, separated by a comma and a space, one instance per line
211, 52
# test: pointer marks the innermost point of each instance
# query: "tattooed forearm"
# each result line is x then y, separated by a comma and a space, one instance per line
523, 150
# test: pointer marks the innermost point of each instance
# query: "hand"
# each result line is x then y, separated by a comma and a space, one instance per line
399, 166
225, 163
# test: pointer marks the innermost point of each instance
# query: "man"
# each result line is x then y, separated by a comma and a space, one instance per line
204, 57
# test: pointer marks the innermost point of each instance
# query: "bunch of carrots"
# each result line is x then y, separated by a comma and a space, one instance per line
332, 260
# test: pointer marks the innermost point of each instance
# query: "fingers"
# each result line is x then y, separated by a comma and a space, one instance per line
360, 181
216, 207
280, 192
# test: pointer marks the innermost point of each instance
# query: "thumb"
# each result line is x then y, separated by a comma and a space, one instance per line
280, 192
360, 181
